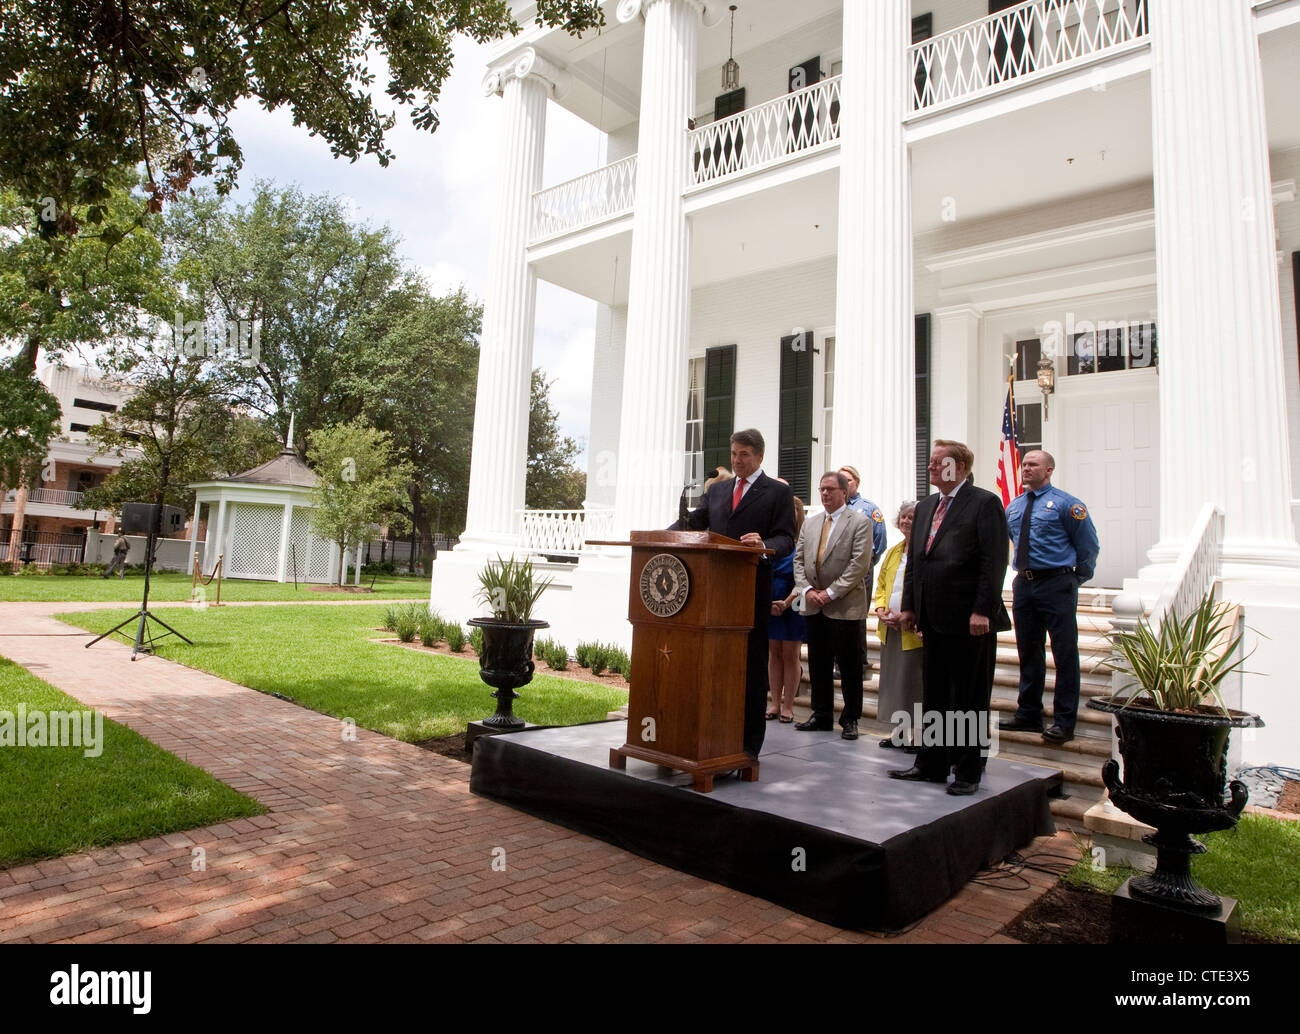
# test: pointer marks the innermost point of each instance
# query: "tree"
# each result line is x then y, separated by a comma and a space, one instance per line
554, 483
417, 381
180, 424
29, 418
360, 484
70, 292
87, 88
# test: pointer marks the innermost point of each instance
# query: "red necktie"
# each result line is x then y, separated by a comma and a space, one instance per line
735, 496
938, 520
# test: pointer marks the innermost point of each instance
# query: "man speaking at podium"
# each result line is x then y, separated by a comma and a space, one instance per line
758, 511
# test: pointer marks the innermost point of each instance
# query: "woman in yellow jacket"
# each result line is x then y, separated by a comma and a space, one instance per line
900, 660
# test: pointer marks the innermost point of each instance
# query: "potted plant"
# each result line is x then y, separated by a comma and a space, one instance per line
511, 589
1173, 730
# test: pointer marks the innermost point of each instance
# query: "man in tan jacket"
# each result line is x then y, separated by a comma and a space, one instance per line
831, 559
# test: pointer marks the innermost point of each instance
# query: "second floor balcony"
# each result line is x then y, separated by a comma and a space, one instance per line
1009, 50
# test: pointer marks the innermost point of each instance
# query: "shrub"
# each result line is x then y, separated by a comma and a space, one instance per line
599, 657
556, 656
430, 629
407, 624
31, 570
582, 654
455, 637
390, 618
6, 567
620, 662
476, 639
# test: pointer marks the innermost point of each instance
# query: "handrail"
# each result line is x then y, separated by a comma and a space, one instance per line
562, 532
766, 134
1031, 39
584, 200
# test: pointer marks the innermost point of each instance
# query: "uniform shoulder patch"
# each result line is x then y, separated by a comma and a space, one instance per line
1078, 511
877, 516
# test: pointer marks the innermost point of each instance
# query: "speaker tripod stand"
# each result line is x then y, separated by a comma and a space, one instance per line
144, 634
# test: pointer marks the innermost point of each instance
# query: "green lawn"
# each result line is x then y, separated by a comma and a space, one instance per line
170, 586
1256, 862
319, 658
55, 800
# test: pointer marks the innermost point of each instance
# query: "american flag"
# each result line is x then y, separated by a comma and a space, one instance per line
1008, 451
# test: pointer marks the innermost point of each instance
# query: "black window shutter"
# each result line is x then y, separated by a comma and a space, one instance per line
719, 405
922, 405
794, 457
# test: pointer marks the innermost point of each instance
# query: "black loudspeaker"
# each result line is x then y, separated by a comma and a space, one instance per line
142, 518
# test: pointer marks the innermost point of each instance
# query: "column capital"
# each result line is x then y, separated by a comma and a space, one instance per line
710, 12
525, 63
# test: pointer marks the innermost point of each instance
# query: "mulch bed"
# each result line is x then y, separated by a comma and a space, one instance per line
448, 746
340, 588
1068, 914
1289, 800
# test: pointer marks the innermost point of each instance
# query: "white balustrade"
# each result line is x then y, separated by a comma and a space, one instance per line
767, 133
54, 495
562, 532
584, 201
1035, 37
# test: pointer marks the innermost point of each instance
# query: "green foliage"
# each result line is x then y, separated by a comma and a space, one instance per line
406, 626
359, 481
455, 637
553, 653
432, 628
618, 661
510, 588
1179, 667
86, 89
476, 639
29, 418
601, 656
6, 567
554, 483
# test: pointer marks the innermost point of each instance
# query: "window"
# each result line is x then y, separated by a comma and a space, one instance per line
1029, 426
1113, 347
695, 421
794, 436
827, 402
103, 407
83, 428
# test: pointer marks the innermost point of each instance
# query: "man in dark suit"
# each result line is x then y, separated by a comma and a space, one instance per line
952, 592
758, 511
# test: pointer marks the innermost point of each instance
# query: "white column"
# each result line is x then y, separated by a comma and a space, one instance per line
194, 531
282, 568
954, 376
1222, 407
874, 327
606, 404
498, 462
217, 536
652, 427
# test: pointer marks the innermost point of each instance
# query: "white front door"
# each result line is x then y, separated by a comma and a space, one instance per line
1104, 432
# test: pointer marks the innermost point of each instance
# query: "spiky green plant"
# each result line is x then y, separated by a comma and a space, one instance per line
511, 589
1180, 666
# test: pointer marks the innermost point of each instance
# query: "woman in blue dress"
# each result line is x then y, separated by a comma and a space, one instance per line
785, 634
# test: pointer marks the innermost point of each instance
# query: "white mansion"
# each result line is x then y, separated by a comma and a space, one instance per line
842, 242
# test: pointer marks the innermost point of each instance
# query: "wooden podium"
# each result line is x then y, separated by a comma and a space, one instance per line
691, 604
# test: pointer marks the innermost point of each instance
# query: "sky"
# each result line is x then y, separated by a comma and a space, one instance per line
437, 196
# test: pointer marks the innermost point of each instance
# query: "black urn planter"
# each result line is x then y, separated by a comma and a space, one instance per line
1174, 779
506, 663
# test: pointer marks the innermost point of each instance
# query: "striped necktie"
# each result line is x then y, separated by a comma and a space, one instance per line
938, 520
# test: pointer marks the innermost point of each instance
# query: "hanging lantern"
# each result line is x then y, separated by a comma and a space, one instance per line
731, 70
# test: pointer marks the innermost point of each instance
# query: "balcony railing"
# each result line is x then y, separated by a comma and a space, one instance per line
562, 532
1035, 37
55, 496
766, 134
608, 192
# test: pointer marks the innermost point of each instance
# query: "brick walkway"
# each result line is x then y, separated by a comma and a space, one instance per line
372, 840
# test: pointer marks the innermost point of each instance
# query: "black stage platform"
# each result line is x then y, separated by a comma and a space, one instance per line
824, 832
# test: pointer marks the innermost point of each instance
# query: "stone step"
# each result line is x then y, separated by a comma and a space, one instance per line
1069, 812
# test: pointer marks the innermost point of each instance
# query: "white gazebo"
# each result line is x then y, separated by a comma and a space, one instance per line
260, 521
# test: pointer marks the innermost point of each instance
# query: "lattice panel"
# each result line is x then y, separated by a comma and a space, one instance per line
313, 553
254, 540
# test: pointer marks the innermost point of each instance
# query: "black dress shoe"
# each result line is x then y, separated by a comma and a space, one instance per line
1020, 725
959, 788
916, 775
813, 725
887, 742
1058, 735
850, 731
